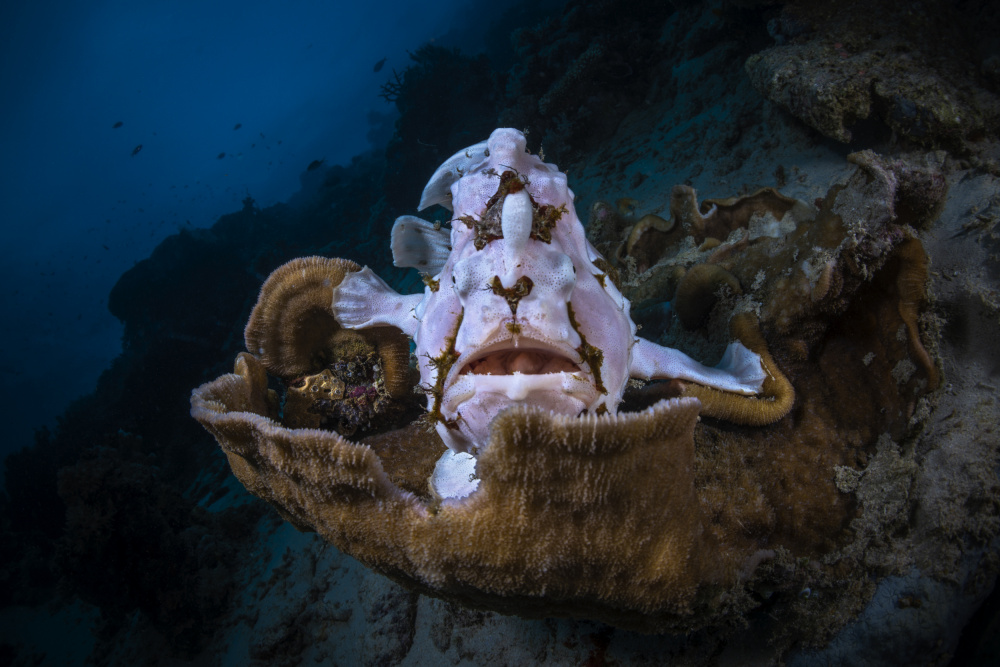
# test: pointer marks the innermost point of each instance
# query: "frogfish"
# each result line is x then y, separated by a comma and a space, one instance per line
519, 308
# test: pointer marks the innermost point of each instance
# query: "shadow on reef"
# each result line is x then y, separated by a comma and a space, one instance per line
132, 542
580, 74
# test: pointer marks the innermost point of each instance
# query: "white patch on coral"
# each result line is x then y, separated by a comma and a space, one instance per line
454, 475
766, 225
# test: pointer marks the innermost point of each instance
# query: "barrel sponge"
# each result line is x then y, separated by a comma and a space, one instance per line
293, 332
576, 511
312, 477
594, 517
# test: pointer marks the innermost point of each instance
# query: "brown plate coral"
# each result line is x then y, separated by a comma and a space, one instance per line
624, 547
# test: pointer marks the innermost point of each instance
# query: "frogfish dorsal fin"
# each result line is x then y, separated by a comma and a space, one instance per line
438, 189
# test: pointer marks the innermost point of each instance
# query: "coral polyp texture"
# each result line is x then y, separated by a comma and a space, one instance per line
563, 464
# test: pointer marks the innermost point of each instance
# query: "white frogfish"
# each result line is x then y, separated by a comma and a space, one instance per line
518, 308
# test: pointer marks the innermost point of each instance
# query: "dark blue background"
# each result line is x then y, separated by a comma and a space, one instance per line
77, 208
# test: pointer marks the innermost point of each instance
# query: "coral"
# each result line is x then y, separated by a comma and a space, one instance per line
521, 544
293, 332
291, 318
911, 287
840, 292
716, 218
649, 237
697, 292
776, 397
132, 542
333, 376
605, 227
656, 269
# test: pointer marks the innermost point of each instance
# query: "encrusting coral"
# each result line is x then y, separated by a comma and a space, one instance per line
332, 375
635, 514
291, 330
697, 292
649, 237
716, 218
838, 290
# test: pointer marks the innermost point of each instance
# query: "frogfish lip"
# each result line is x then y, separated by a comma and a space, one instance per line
494, 375
526, 370
526, 358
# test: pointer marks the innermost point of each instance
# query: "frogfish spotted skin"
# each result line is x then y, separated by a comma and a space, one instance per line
517, 309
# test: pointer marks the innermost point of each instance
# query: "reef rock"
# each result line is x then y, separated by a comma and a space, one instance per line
882, 66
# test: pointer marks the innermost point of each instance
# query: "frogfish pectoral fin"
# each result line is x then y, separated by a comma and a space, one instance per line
745, 387
362, 300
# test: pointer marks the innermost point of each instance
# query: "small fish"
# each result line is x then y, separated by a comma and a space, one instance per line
237, 126
135, 151
379, 64
315, 164
220, 156
117, 125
